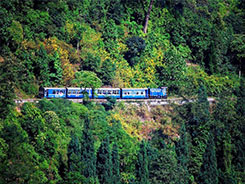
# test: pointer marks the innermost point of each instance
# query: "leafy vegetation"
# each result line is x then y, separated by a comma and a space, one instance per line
195, 48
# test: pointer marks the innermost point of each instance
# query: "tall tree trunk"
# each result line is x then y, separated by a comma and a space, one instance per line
148, 16
78, 51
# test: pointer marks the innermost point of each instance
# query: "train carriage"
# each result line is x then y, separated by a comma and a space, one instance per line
158, 92
48, 92
134, 93
79, 92
103, 93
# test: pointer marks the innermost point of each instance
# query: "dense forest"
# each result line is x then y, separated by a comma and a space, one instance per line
194, 47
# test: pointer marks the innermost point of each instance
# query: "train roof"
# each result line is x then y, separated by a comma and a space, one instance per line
134, 88
77, 88
108, 88
53, 88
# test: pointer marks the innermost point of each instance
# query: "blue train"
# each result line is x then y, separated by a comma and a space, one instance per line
103, 93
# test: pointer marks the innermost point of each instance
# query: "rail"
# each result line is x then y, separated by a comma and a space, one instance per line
151, 102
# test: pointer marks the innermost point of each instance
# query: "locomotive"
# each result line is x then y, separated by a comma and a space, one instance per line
103, 93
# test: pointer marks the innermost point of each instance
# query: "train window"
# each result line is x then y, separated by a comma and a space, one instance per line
125, 93
142, 93
69, 92
54, 92
137, 93
104, 92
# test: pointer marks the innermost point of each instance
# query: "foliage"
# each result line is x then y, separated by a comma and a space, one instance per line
189, 44
8, 76
92, 63
136, 46
107, 72
142, 166
88, 153
104, 162
183, 153
172, 72
74, 155
164, 165
86, 79
209, 171
199, 128
116, 165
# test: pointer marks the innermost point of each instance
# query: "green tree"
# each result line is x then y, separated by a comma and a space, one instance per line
8, 79
22, 162
199, 128
91, 63
238, 49
110, 104
42, 66
74, 161
108, 71
241, 98
136, 46
55, 69
3, 144
43, 138
16, 34
37, 24
74, 154
127, 149
115, 165
218, 62
239, 134
52, 121
116, 11
209, 171
104, 162
86, 79
32, 121
5, 22
142, 166
172, 72
228, 139
88, 153
164, 167
182, 151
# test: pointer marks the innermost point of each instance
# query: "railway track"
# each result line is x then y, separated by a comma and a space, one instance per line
151, 102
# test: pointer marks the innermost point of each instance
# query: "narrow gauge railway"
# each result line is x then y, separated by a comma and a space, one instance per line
149, 96
150, 102
103, 93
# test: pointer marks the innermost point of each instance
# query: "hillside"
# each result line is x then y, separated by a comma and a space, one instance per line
195, 48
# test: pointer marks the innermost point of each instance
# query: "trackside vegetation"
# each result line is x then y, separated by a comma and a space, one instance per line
196, 48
